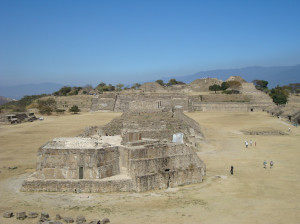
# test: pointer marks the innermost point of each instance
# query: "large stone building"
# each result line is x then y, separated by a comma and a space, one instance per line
192, 97
131, 153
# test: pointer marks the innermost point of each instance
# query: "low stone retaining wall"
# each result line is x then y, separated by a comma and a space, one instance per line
231, 107
86, 186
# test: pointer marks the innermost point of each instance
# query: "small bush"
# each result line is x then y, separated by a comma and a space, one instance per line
74, 109
60, 111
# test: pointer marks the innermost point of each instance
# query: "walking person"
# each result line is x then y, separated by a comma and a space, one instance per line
246, 143
265, 164
271, 164
231, 170
250, 142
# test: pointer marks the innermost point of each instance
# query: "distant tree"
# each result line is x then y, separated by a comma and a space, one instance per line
101, 84
224, 86
172, 82
60, 111
279, 98
160, 82
74, 91
261, 84
102, 87
215, 88
111, 87
119, 87
74, 109
126, 87
136, 86
279, 94
180, 83
63, 91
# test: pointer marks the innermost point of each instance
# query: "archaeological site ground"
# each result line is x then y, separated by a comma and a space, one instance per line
157, 155
252, 195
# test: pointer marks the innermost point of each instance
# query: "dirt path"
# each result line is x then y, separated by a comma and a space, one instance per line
252, 195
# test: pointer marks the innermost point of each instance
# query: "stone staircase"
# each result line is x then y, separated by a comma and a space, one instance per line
256, 96
94, 106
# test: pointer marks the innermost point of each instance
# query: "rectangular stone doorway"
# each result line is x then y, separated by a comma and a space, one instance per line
81, 172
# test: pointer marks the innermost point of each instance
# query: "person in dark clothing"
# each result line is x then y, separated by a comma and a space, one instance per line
231, 170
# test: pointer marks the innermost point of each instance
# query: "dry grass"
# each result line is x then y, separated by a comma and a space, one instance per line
252, 195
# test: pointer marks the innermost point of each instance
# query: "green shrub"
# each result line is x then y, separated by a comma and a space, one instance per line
74, 109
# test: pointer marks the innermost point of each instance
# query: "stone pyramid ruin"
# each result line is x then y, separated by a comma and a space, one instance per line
136, 152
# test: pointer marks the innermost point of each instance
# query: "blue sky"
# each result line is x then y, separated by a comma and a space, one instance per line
86, 42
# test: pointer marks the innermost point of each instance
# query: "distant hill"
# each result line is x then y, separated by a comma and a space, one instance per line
18, 91
4, 100
279, 75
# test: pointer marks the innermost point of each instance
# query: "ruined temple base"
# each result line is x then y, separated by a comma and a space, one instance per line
118, 183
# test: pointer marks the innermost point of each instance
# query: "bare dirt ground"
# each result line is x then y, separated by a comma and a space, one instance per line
252, 195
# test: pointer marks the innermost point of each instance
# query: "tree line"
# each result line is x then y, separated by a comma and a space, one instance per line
279, 94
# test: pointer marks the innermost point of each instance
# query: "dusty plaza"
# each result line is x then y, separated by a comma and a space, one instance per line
253, 194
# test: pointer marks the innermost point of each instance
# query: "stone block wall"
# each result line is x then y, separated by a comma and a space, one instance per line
225, 98
131, 136
103, 104
226, 107
65, 163
86, 186
168, 179
164, 165
145, 102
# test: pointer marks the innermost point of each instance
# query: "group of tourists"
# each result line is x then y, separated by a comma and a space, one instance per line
265, 164
249, 143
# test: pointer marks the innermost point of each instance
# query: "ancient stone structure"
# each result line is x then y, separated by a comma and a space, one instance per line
202, 85
187, 97
236, 78
193, 97
132, 153
152, 87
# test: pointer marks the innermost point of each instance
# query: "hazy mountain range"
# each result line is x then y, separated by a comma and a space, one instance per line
18, 91
278, 75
